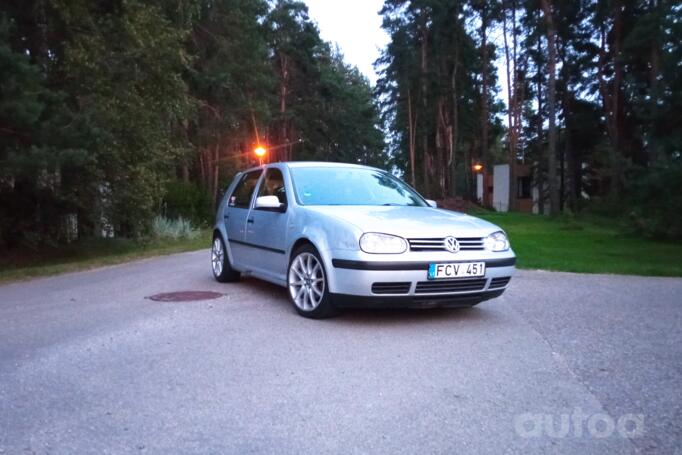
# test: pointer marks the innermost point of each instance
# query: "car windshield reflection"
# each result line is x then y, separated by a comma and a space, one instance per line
352, 186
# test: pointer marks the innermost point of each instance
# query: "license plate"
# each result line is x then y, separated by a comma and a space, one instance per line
460, 270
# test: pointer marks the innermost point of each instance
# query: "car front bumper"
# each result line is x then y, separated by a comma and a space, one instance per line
457, 300
354, 281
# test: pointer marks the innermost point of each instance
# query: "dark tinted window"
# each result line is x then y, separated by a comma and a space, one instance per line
273, 185
241, 197
523, 190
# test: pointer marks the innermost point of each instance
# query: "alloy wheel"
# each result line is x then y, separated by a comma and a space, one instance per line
217, 256
306, 281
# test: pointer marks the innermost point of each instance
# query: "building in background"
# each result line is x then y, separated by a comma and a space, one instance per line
492, 190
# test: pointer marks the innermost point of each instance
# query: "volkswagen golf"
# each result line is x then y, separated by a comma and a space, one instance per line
342, 235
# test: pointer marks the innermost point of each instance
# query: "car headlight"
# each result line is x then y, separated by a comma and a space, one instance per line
497, 241
382, 243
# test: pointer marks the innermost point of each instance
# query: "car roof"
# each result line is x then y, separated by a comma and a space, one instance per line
299, 164
311, 164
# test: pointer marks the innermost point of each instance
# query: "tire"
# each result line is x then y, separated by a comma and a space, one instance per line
220, 263
307, 284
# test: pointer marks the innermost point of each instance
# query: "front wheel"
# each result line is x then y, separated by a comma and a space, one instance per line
307, 283
222, 269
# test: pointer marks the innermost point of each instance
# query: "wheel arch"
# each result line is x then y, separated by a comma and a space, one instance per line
320, 246
299, 243
219, 231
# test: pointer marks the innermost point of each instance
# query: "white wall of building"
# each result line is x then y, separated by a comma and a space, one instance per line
501, 187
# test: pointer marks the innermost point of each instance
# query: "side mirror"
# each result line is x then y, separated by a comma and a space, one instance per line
269, 203
432, 203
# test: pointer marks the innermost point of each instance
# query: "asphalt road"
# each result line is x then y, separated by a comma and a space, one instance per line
88, 365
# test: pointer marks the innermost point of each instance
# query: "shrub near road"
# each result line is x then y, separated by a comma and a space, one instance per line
91, 253
585, 245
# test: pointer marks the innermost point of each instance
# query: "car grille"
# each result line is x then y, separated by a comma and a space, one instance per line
438, 244
425, 287
499, 282
391, 288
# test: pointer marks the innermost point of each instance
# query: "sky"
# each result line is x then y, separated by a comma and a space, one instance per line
355, 26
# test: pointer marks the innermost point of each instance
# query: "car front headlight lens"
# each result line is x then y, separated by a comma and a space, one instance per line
382, 243
497, 241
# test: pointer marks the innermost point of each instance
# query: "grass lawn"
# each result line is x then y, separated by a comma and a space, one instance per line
91, 254
585, 245
563, 244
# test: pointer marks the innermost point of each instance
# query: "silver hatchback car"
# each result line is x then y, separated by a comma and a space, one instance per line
343, 235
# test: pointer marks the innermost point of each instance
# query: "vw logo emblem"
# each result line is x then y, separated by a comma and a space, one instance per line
451, 244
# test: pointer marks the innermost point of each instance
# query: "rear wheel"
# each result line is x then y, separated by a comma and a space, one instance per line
222, 269
307, 284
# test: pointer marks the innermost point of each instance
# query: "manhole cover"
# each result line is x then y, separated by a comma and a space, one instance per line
185, 296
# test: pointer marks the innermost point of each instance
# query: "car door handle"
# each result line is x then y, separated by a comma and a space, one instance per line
226, 216
250, 221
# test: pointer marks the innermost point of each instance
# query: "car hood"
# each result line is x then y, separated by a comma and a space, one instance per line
410, 222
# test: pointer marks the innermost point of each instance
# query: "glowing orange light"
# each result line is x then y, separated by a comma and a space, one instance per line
260, 151
478, 167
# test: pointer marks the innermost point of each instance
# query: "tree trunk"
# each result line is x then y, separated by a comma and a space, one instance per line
468, 152
411, 128
283, 92
443, 140
202, 167
612, 96
551, 107
484, 88
540, 176
567, 109
654, 74
511, 127
568, 155
425, 104
573, 164
562, 172
216, 173
455, 124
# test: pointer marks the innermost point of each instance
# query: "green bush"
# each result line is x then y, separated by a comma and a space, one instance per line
187, 201
164, 228
656, 208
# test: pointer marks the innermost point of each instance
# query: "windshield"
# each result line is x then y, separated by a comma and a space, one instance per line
351, 186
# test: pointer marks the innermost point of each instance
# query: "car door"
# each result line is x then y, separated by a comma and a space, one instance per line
236, 216
266, 229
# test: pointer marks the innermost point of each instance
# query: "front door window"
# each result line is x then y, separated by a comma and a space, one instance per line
241, 196
273, 185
